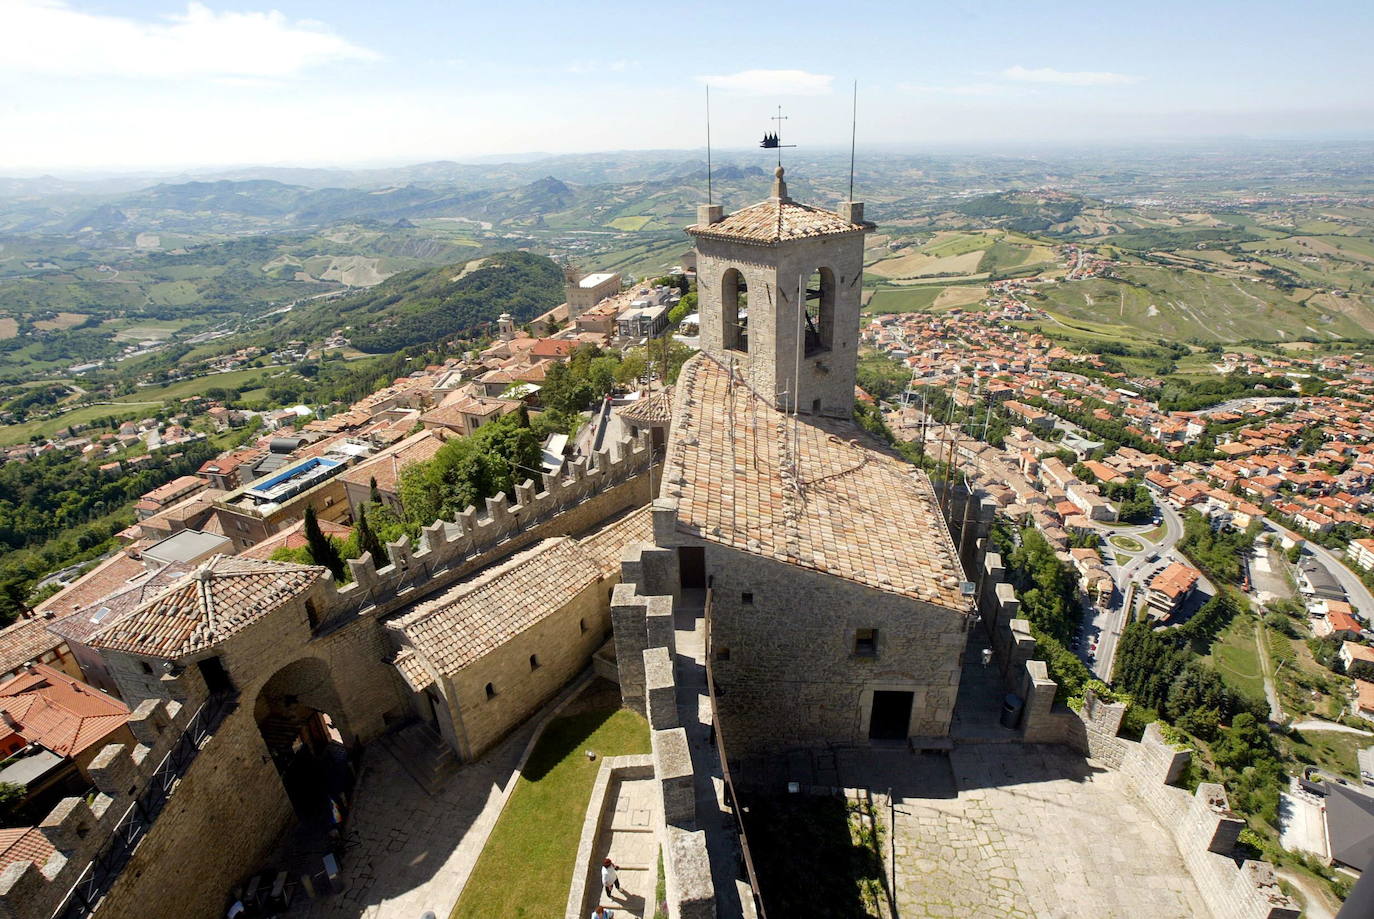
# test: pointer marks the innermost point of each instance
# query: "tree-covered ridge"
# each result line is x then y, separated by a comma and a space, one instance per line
431, 304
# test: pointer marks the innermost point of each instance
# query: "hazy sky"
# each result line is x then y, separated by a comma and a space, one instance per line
146, 83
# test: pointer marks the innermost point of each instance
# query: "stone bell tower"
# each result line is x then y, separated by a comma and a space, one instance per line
778, 288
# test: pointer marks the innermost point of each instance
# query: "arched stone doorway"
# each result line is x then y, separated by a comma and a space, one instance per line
302, 722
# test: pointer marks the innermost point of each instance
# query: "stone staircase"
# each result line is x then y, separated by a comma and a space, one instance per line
423, 754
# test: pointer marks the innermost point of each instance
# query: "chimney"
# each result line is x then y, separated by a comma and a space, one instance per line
708, 214
853, 211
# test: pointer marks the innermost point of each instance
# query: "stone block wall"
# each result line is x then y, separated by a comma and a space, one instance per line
1202, 825
81, 831
793, 631
587, 874
645, 655
560, 643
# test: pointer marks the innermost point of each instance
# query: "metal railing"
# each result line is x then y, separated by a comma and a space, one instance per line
719, 736
104, 869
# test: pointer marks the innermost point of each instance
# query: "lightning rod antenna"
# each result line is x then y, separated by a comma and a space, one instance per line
709, 199
853, 133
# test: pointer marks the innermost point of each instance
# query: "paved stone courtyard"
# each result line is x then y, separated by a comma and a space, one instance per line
1023, 831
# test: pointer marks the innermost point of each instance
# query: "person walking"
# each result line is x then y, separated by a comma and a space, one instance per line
602, 912
610, 876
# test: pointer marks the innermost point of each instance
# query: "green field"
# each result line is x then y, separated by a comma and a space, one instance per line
1236, 658
143, 403
906, 300
633, 224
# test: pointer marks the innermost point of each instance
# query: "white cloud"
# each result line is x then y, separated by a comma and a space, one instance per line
968, 89
50, 37
601, 66
771, 83
1068, 77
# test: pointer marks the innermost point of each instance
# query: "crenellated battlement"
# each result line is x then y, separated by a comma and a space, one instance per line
448, 546
94, 837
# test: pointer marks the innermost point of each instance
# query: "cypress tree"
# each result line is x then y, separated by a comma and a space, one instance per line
374, 495
322, 551
368, 541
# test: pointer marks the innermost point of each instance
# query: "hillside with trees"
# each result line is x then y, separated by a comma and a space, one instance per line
427, 305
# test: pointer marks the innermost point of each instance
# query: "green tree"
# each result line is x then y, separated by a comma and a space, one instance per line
373, 494
11, 799
322, 549
368, 541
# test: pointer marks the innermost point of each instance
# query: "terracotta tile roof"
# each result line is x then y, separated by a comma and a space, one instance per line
24, 641
211, 604
24, 844
107, 577
1175, 580
861, 513
653, 409
386, 467
63, 714
85, 621
466, 623
777, 219
293, 537
412, 670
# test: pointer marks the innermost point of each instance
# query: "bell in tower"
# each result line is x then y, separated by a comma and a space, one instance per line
779, 287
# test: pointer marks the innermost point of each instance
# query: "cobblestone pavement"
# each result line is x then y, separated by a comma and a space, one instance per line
1023, 831
411, 851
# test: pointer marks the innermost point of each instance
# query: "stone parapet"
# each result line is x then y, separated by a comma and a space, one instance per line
586, 875
79, 830
449, 549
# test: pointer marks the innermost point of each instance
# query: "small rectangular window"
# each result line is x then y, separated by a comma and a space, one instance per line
866, 642
722, 654
747, 598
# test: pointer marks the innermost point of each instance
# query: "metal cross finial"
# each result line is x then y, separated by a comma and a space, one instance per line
773, 141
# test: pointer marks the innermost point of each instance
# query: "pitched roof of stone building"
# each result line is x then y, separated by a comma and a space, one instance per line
93, 616
25, 640
854, 511
210, 604
473, 619
412, 670
777, 219
654, 409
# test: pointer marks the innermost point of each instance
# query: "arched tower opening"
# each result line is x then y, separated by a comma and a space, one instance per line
734, 302
819, 304
300, 716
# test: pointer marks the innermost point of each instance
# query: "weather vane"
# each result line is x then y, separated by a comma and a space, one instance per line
774, 141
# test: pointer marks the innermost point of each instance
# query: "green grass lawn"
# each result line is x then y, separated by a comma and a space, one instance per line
526, 867
1156, 534
1236, 658
1129, 543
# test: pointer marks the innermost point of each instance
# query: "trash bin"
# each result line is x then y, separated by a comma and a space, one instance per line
1011, 711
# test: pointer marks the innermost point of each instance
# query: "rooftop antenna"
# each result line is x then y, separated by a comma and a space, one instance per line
774, 141
853, 133
709, 199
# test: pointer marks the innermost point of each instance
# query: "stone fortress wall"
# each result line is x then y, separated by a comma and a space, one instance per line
646, 654
1201, 824
227, 806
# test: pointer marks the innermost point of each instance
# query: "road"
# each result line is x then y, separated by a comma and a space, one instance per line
1108, 623
1356, 592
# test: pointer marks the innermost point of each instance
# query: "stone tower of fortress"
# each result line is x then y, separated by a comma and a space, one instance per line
780, 286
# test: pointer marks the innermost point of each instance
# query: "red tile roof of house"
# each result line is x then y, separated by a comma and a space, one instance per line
24, 844
61, 713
